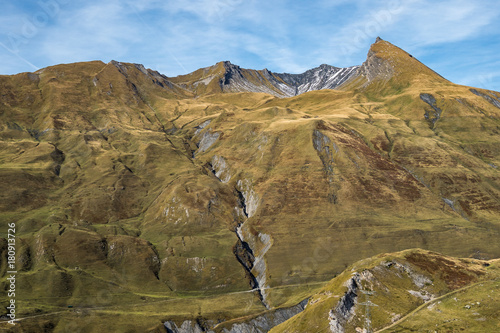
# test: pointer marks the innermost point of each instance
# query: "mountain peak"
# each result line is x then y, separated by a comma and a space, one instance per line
227, 64
386, 62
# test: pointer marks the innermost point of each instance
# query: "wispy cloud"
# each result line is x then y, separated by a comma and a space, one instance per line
91, 32
428, 23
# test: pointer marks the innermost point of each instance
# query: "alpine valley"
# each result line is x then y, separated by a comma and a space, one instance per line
238, 200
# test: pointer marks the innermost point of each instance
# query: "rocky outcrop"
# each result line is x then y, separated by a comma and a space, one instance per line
251, 249
323, 146
207, 139
375, 68
436, 114
246, 257
249, 199
419, 280
204, 137
220, 168
260, 266
365, 282
201, 126
494, 99
345, 309
58, 157
325, 149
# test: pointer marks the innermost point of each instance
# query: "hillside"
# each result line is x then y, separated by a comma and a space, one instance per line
141, 200
409, 291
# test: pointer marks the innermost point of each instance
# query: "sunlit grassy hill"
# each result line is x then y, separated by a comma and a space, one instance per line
409, 291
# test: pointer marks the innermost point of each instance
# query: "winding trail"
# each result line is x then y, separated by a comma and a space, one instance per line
426, 304
169, 299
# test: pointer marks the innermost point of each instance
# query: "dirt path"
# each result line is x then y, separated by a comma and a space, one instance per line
168, 299
427, 304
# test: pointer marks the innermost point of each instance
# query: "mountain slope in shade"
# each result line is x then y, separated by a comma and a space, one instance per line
142, 200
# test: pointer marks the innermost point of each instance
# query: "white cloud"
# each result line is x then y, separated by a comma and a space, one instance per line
89, 33
429, 23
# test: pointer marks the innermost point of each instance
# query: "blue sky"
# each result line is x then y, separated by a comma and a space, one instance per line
457, 38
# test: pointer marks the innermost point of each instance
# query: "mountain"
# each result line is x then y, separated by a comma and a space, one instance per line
211, 201
226, 77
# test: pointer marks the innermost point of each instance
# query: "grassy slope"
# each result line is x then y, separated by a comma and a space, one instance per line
454, 284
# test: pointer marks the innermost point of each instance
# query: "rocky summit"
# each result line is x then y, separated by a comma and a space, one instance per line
227, 199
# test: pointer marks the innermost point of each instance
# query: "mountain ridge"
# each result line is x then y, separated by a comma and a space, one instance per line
224, 76
233, 78
382, 60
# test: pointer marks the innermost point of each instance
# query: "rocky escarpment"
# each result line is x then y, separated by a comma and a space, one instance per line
267, 321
